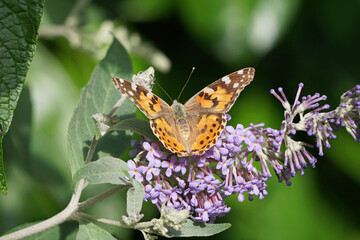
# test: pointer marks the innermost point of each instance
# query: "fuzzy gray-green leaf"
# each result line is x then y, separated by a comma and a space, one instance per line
135, 198
99, 96
195, 229
105, 170
88, 230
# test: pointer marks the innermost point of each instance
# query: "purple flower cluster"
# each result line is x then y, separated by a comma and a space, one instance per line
348, 113
240, 161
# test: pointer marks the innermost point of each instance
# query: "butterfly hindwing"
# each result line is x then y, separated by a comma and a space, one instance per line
150, 104
165, 129
207, 128
221, 94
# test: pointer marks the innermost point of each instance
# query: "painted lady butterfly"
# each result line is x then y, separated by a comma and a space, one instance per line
194, 127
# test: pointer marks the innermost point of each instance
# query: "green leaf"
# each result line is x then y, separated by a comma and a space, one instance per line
99, 96
135, 198
88, 230
105, 170
19, 24
51, 233
137, 125
195, 229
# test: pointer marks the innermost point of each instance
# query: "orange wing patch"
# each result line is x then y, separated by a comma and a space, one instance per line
208, 129
222, 97
203, 98
167, 136
217, 98
149, 102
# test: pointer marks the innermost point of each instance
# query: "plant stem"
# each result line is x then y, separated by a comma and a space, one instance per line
91, 151
102, 220
61, 217
139, 226
54, 31
117, 105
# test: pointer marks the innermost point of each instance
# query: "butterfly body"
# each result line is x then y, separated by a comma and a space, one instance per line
181, 120
190, 128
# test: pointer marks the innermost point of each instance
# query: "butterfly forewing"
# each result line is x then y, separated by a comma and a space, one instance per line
150, 104
220, 95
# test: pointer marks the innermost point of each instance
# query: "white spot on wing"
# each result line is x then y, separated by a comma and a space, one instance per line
121, 80
240, 71
209, 90
133, 86
149, 95
130, 93
226, 79
235, 85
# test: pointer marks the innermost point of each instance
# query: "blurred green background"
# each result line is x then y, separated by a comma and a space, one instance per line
287, 41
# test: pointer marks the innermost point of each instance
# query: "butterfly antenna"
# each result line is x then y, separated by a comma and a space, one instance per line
163, 90
192, 70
